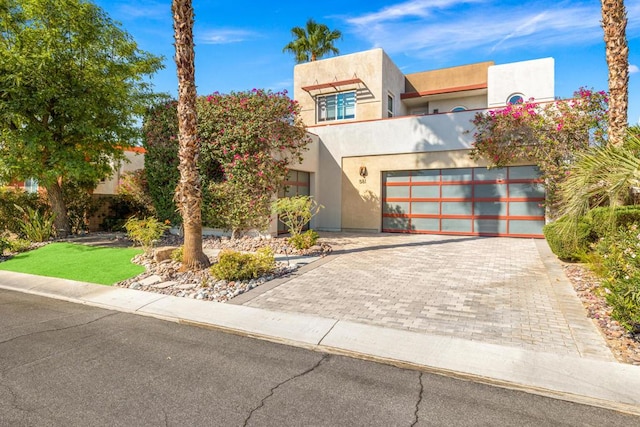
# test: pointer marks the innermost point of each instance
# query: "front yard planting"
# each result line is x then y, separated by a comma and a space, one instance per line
104, 266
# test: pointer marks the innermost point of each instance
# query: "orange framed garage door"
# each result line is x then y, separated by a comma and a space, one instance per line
466, 201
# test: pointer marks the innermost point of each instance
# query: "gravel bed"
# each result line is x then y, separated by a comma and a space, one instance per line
166, 278
624, 346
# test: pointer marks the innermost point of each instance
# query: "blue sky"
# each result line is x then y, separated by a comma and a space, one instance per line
239, 43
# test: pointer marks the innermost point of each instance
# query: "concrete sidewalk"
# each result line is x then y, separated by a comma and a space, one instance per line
590, 381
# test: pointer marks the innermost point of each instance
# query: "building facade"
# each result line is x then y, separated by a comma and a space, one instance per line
390, 151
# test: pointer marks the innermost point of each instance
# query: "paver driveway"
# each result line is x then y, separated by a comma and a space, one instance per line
495, 290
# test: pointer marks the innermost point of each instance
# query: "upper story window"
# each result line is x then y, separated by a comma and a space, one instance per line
338, 106
516, 98
390, 112
31, 185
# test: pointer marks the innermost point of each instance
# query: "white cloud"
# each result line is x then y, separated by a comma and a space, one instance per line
633, 69
411, 8
428, 28
145, 9
223, 36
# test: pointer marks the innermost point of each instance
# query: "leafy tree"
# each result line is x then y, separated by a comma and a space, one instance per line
312, 42
71, 84
250, 139
160, 129
548, 135
614, 24
188, 192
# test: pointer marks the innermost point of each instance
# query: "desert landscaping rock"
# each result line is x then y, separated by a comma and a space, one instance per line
150, 280
164, 285
624, 346
163, 253
163, 275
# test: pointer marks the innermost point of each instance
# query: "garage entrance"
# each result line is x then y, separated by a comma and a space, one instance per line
465, 201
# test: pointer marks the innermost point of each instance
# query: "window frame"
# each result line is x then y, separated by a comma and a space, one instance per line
339, 104
31, 185
515, 95
390, 105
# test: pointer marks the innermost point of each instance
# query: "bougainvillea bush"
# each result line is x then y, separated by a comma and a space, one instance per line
546, 134
248, 141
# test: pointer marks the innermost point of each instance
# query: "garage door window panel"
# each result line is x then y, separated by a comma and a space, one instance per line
490, 191
456, 225
425, 208
425, 192
456, 191
530, 190
426, 224
457, 208
490, 208
525, 227
490, 226
426, 176
396, 208
449, 175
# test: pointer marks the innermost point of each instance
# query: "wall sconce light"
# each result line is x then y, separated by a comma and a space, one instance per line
363, 171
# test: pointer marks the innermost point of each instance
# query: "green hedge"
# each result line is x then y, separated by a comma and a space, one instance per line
567, 239
605, 220
570, 241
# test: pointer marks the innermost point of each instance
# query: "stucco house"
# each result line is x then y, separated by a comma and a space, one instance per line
390, 151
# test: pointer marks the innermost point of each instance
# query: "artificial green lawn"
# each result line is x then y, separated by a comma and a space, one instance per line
104, 266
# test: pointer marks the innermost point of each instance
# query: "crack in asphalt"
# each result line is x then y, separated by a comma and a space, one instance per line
415, 414
273, 389
14, 399
58, 329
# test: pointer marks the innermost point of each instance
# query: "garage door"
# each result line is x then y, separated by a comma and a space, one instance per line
469, 201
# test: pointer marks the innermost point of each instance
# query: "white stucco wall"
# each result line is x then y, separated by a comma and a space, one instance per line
410, 134
134, 161
393, 83
533, 79
468, 102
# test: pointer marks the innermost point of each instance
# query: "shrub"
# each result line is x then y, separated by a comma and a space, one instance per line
178, 254
36, 225
567, 239
4, 244
145, 232
304, 240
10, 199
296, 212
19, 245
233, 207
606, 220
619, 255
233, 265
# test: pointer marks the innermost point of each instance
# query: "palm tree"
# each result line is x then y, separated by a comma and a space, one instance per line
614, 23
312, 42
603, 175
188, 193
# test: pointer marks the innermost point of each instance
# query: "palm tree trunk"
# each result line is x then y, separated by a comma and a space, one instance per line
188, 192
614, 24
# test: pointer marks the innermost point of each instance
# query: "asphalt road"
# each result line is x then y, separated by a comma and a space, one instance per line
64, 364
